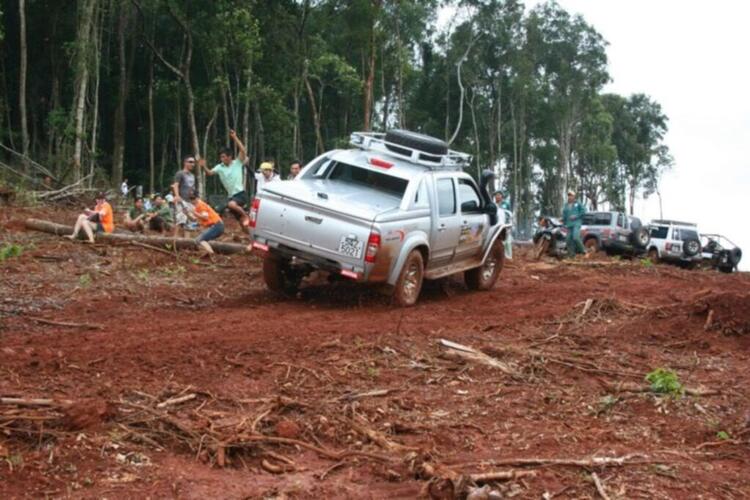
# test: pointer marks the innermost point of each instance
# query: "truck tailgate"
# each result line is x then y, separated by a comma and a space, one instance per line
332, 235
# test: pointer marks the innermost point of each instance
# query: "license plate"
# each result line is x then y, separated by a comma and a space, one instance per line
351, 247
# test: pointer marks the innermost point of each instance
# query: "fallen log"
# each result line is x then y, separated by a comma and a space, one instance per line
157, 241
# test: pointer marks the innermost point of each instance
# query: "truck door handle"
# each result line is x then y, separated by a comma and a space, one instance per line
442, 228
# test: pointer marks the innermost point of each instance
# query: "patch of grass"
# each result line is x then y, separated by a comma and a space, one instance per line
722, 435
647, 263
84, 280
173, 271
143, 275
664, 381
10, 250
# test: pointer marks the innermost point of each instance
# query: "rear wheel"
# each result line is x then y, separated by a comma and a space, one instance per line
279, 275
653, 255
409, 282
592, 246
485, 276
641, 237
541, 248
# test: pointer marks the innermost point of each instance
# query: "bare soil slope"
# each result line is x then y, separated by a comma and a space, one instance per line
167, 376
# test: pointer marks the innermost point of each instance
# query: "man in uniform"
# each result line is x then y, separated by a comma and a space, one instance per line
572, 218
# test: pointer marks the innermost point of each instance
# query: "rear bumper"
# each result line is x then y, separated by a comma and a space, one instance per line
266, 248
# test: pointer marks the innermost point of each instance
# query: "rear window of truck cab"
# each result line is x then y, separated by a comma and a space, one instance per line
352, 174
597, 219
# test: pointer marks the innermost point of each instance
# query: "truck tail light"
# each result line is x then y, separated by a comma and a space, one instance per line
373, 245
254, 212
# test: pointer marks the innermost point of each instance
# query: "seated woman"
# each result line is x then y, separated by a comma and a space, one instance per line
209, 220
98, 220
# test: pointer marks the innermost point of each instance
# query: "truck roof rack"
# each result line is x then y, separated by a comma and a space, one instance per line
668, 222
375, 141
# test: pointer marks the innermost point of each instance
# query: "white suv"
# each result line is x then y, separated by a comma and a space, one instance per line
675, 241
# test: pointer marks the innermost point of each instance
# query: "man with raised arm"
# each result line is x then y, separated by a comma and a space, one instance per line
230, 171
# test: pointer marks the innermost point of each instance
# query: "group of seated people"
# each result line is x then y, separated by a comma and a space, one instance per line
159, 216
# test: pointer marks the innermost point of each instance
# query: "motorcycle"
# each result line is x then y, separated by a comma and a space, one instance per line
549, 238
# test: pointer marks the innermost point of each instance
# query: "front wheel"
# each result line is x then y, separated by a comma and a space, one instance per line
541, 248
279, 275
485, 276
409, 282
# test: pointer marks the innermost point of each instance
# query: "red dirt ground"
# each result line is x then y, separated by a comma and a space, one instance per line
337, 369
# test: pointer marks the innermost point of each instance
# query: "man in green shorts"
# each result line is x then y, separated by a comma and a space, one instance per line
231, 172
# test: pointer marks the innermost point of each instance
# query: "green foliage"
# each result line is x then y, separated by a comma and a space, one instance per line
647, 263
10, 250
84, 280
532, 105
722, 435
664, 381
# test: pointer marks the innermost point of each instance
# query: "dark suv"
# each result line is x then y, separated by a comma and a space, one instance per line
614, 232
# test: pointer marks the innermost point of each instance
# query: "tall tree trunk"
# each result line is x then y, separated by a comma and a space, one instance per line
370, 81
22, 79
82, 81
119, 125
151, 132
246, 111
316, 115
99, 29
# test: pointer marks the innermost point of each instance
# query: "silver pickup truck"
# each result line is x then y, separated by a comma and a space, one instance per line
396, 209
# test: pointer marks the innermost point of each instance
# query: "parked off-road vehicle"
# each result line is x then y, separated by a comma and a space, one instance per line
720, 253
614, 232
675, 241
396, 209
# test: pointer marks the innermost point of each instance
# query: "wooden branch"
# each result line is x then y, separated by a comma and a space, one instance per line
151, 247
33, 402
157, 241
154, 50
65, 323
476, 356
630, 459
599, 486
177, 400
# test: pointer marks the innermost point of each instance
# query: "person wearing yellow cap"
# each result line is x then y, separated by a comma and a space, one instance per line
265, 175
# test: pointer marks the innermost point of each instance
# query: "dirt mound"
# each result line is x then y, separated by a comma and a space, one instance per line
727, 312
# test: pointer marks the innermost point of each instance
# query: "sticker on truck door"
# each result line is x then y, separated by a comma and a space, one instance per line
351, 246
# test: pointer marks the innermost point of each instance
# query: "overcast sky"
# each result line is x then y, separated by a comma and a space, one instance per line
692, 57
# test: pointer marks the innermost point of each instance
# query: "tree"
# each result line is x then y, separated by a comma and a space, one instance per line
22, 78
638, 134
572, 70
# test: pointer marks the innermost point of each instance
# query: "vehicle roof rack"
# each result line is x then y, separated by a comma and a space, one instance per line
668, 222
375, 141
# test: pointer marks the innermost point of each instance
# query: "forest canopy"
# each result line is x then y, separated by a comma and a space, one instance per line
108, 89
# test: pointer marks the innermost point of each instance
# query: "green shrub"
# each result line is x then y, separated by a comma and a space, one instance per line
10, 250
664, 381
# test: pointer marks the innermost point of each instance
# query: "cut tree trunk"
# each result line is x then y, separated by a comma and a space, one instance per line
158, 241
22, 78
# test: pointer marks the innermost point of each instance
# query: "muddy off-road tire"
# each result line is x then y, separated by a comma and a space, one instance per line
484, 277
653, 256
691, 247
592, 246
409, 283
431, 147
279, 276
541, 248
735, 256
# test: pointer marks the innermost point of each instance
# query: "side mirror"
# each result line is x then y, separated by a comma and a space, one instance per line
470, 206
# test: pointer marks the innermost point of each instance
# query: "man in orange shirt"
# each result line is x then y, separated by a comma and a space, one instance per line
209, 220
100, 220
